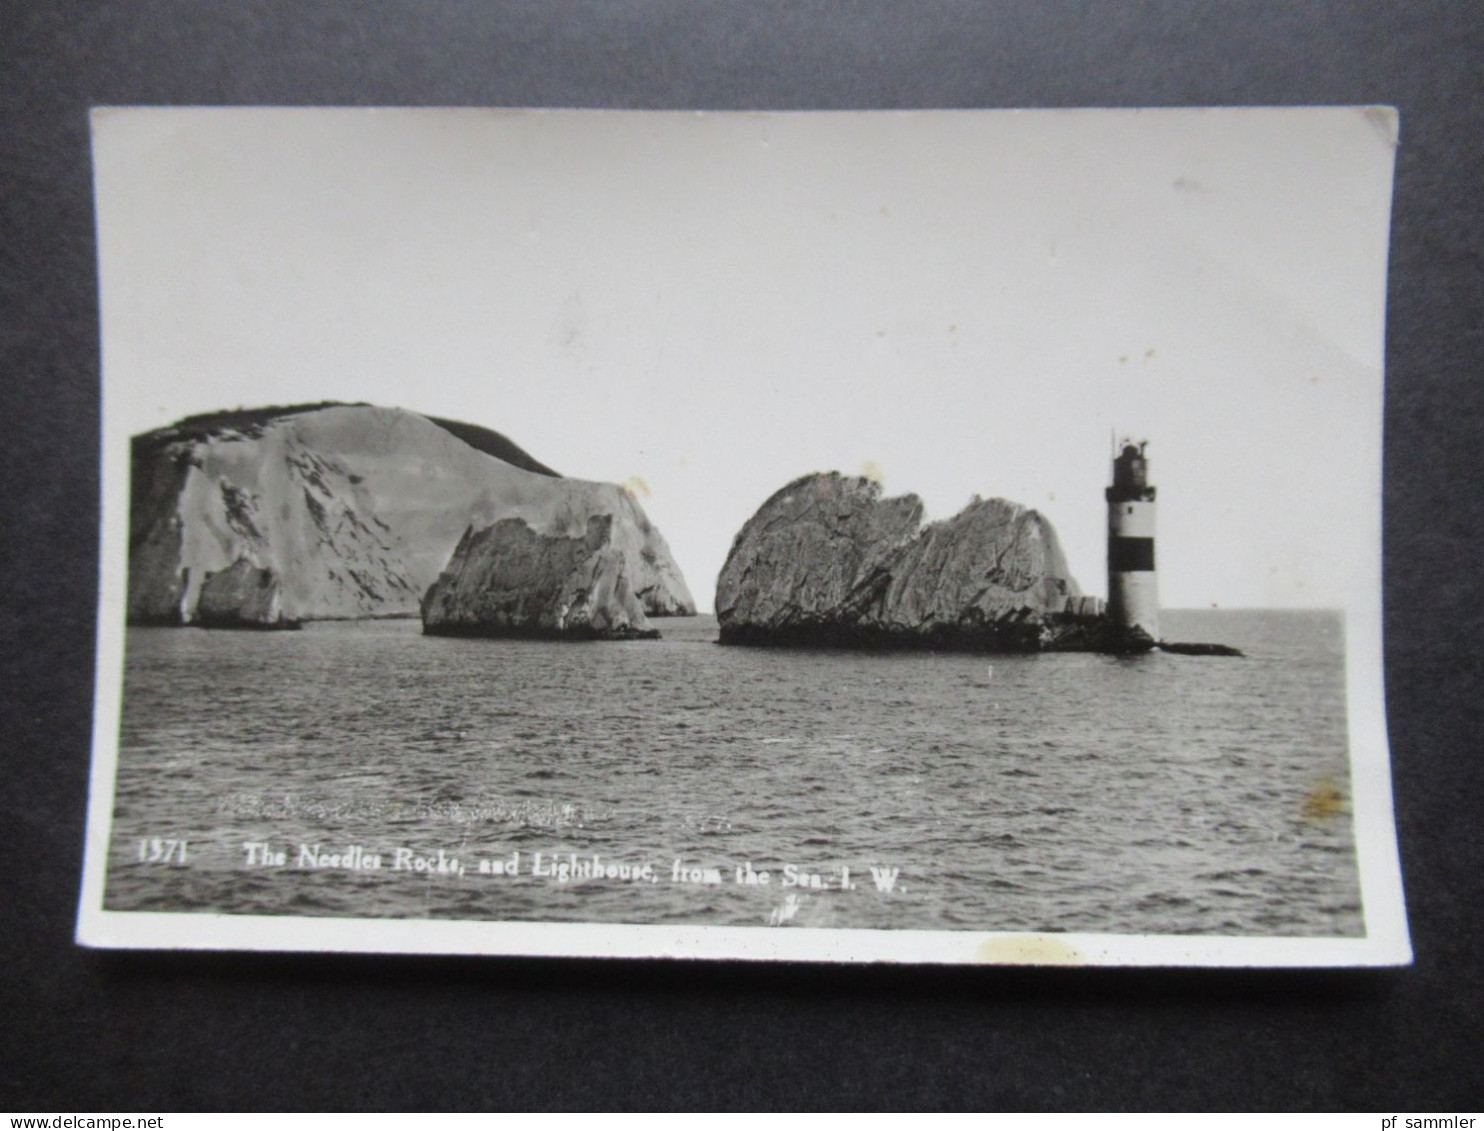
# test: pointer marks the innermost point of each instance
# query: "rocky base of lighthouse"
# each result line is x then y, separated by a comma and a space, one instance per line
1132, 638
1198, 649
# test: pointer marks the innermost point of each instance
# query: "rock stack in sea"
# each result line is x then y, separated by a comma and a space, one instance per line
265, 518
508, 580
828, 562
242, 596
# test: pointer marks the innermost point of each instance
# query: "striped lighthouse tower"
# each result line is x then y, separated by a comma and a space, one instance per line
1133, 591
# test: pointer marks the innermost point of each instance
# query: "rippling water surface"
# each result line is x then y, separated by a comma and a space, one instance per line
1052, 793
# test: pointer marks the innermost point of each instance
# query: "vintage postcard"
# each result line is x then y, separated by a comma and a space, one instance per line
928, 537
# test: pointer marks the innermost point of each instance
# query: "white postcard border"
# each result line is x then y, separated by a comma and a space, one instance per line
1385, 943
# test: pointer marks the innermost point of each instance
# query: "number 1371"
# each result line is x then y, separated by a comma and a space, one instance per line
155, 850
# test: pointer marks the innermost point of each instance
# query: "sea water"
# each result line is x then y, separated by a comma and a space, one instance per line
363, 769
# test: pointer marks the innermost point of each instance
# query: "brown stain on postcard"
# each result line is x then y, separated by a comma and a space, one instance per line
1325, 800
1386, 122
1028, 950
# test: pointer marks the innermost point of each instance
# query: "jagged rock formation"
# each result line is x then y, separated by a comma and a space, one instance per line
508, 580
242, 596
268, 517
828, 561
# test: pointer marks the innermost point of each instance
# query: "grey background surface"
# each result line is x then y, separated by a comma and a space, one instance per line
154, 1032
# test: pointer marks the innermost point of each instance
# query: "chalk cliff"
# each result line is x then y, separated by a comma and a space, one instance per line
268, 517
828, 561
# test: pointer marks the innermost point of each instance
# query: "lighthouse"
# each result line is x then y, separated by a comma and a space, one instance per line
1133, 591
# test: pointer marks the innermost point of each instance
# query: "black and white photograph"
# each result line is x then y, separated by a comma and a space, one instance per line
925, 537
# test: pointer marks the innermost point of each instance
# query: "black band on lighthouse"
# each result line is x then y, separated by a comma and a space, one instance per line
1130, 555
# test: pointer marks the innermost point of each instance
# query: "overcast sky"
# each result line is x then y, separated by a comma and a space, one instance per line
707, 306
